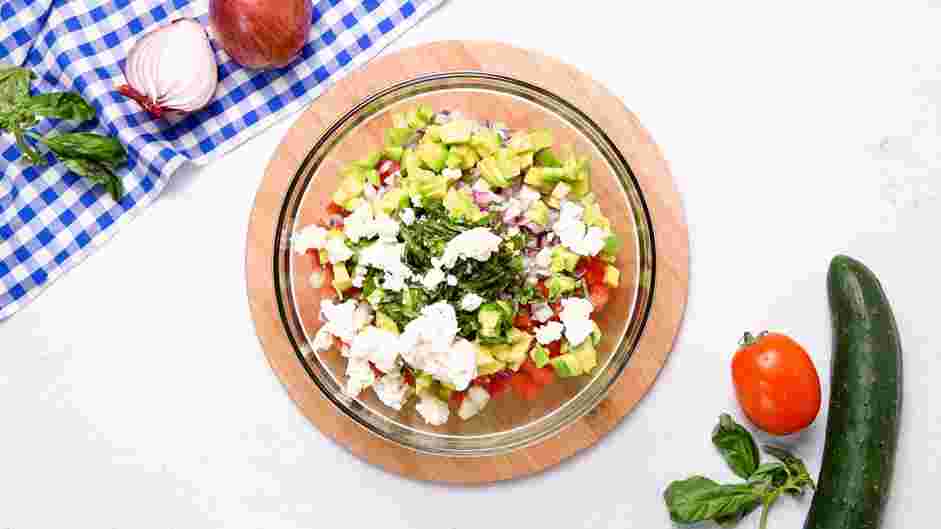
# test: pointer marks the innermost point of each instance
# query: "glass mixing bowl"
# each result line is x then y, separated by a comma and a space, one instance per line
507, 423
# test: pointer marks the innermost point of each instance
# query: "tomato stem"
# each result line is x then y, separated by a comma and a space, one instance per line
750, 339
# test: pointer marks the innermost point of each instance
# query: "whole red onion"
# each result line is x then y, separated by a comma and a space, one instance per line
261, 34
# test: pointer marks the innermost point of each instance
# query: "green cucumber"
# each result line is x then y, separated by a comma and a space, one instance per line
865, 402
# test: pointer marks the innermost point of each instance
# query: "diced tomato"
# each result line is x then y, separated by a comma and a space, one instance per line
555, 348
352, 291
524, 386
595, 272
542, 376
482, 380
338, 343
523, 321
499, 382
335, 209
327, 291
387, 168
409, 377
315, 259
457, 397
543, 289
556, 310
599, 296
582, 267
375, 370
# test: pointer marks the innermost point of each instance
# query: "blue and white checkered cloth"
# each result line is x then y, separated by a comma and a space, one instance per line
50, 220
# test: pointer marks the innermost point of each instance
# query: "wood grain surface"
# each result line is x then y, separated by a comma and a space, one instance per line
650, 169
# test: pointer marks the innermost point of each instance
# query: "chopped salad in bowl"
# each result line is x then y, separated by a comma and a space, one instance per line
461, 264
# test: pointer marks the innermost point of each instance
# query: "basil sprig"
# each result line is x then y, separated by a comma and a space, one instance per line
86, 154
698, 499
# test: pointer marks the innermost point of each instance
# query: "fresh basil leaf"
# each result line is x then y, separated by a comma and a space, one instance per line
23, 144
773, 474
97, 173
62, 105
736, 445
88, 146
14, 84
799, 477
698, 499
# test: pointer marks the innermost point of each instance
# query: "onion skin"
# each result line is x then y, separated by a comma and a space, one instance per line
261, 34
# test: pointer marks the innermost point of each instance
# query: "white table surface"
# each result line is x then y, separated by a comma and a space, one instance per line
134, 392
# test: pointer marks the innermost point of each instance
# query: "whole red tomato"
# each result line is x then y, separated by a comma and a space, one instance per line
776, 383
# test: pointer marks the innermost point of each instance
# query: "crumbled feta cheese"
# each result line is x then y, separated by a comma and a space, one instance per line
574, 234
475, 401
542, 312
432, 279
451, 173
323, 340
470, 302
338, 251
433, 410
379, 346
452, 280
341, 319
387, 257
475, 243
543, 262
428, 344
408, 216
359, 376
576, 316
361, 224
392, 390
359, 276
370, 192
312, 237
549, 332
416, 201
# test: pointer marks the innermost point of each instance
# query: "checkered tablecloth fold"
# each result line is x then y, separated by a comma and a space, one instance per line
50, 220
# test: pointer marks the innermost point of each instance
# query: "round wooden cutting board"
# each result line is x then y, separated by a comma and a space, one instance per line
650, 169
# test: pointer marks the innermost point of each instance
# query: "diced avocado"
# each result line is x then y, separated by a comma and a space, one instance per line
491, 171
560, 191
351, 186
341, 278
410, 161
612, 276
487, 364
544, 178
586, 355
432, 134
485, 142
594, 217
369, 162
399, 136
457, 131
384, 322
462, 157
425, 113
489, 316
507, 308
460, 205
399, 121
547, 158
524, 161
582, 185
563, 260
538, 213
433, 155
372, 176
393, 153
611, 245
513, 353
425, 184
390, 201
559, 284
595, 333
423, 382
539, 354
443, 391
566, 366
530, 141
